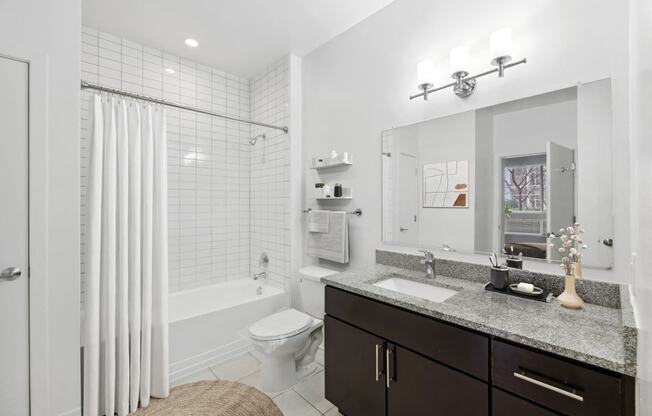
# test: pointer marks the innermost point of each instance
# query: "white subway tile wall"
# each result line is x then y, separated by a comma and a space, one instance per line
215, 223
270, 172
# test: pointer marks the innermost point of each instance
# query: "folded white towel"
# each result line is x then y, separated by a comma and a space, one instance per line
334, 244
318, 221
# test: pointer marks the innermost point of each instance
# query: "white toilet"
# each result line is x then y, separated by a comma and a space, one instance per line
288, 340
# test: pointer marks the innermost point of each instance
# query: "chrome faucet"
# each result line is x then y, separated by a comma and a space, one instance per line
263, 261
429, 262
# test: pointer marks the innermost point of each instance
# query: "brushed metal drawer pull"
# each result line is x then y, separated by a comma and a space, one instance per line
377, 372
388, 377
549, 387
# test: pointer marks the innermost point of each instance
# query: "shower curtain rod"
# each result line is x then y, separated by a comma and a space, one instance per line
88, 86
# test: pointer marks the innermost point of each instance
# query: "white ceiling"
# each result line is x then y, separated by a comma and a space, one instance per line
237, 36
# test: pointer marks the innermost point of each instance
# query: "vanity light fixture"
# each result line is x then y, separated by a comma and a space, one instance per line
192, 42
459, 61
464, 85
425, 76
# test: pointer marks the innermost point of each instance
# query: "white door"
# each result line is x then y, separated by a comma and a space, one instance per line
14, 283
595, 178
408, 199
561, 190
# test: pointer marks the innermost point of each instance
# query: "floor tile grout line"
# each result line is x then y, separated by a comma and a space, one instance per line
305, 398
291, 389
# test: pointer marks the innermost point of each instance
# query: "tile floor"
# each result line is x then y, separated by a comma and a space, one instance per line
304, 399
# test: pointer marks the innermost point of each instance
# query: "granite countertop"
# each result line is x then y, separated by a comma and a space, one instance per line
596, 335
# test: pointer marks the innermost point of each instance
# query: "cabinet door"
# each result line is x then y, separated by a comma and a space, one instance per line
419, 386
353, 369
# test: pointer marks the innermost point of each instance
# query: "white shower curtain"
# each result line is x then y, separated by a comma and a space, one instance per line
126, 316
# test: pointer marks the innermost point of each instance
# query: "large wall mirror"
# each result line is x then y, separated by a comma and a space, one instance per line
501, 178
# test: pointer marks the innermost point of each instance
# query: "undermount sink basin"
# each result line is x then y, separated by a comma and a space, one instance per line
419, 290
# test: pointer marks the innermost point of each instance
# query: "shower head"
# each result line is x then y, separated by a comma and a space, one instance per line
253, 140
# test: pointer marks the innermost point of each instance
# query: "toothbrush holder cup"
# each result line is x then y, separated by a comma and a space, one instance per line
499, 276
514, 263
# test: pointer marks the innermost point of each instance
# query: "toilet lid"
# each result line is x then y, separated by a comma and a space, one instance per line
280, 325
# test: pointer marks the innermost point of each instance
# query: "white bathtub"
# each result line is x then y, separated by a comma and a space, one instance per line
204, 322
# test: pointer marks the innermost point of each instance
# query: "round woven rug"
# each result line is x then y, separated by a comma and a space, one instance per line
212, 398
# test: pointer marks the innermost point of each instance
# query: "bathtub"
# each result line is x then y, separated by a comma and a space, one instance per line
204, 323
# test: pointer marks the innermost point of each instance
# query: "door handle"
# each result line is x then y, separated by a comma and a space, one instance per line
378, 349
402, 229
388, 377
10, 273
549, 387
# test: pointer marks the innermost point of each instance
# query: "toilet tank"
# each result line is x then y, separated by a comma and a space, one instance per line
311, 289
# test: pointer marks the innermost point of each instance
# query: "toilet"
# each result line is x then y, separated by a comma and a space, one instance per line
288, 340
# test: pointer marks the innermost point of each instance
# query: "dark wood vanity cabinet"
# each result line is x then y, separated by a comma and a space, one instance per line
375, 374
383, 360
367, 375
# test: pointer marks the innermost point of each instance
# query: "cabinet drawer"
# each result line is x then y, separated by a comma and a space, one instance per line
461, 349
561, 385
504, 404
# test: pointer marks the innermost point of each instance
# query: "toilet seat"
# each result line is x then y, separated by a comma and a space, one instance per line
280, 325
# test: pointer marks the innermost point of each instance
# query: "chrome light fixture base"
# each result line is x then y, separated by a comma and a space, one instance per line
463, 87
425, 87
500, 62
463, 84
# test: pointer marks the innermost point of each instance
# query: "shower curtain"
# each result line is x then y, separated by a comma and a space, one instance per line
126, 317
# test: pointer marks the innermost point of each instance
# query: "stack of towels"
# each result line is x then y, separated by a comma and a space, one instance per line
328, 235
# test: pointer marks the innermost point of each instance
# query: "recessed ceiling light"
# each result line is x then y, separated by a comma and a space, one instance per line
192, 43
170, 70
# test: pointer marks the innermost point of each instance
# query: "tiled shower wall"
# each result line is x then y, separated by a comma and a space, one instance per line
209, 165
270, 172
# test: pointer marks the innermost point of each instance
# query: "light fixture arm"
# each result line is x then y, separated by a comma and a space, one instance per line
464, 85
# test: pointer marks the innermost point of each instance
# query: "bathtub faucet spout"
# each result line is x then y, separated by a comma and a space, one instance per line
261, 275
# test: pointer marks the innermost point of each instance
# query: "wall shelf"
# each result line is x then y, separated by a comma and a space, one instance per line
334, 198
327, 162
333, 165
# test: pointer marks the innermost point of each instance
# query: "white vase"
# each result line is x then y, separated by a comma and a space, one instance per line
569, 298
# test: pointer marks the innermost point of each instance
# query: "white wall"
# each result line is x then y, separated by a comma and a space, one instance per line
523, 127
448, 139
641, 128
47, 34
358, 84
444, 139
485, 222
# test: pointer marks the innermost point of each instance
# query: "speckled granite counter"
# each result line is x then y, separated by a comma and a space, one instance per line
597, 335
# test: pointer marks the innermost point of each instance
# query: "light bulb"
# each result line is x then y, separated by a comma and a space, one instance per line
501, 43
425, 72
459, 59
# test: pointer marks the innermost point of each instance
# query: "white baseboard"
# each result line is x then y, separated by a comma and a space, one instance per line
198, 362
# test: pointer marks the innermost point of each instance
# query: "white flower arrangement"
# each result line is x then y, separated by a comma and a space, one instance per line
571, 246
